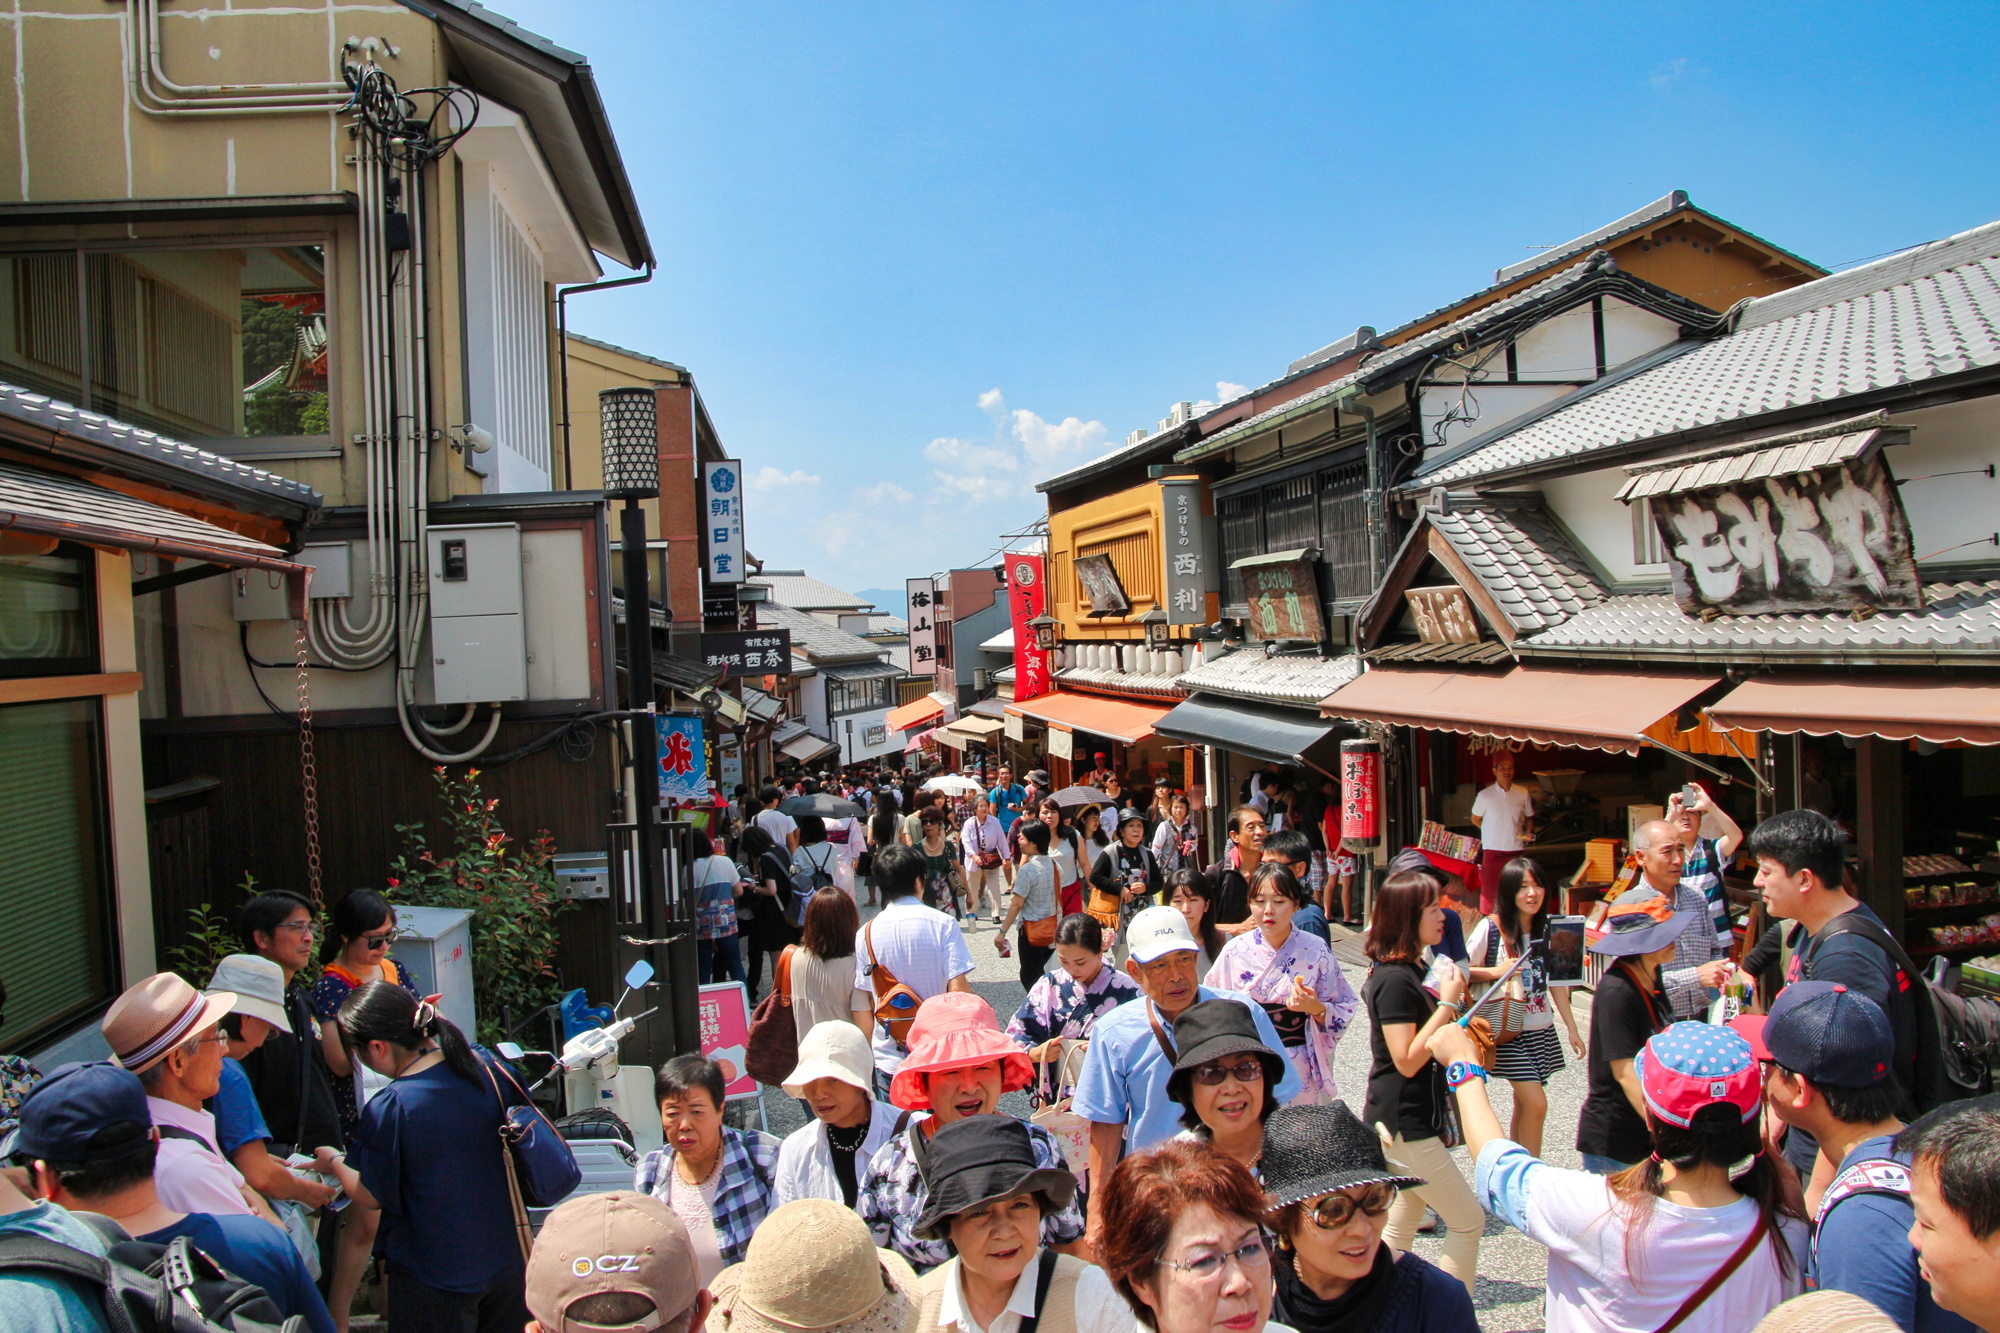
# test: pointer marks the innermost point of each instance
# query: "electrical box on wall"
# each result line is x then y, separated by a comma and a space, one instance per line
479, 648
258, 594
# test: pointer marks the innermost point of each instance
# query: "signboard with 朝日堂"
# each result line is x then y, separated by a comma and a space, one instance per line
761, 652
922, 596
1189, 566
722, 520
683, 759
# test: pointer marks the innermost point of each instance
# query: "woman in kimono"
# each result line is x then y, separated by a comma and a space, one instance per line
1294, 976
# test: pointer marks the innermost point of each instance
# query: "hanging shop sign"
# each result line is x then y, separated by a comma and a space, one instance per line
1062, 743
1097, 582
763, 652
1361, 792
922, 596
731, 768
1027, 597
1188, 573
722, 512
1017, 729
1443, 615
1282, 591
683, 759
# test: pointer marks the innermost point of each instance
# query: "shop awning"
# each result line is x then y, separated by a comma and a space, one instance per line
807, 748
914, 714
1281, 735
1592, 710
1896, 708
916, 742
1118, 719
968, 729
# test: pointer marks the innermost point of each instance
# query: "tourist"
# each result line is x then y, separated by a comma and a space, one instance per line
427, 1152
1032, 899
1123, 1088
1063, 1006
1225, 1078
1954, 1155
1189, 893
618, 1262
1008, 799
1692, 978
718, 885
1827, 1051
88, 1135
814, 856
1177, 838
1067, 851
1706, 857
1406, 1091
240, 1129
1329, 1191
1293, 977
1534, 1055
913, 821
719, 1180
822, 964
1292, 851
882, 825
904, 956
960, 1063
39, 1302
989, 1196
769, 871
943, 889
848, 837
813, 1268
1626, 1010
354, 953
1091, 837
1229, 878
779, 827
1125, 878
1504, 814
1184, 1241
826, 1157
1699, 1236
983, 845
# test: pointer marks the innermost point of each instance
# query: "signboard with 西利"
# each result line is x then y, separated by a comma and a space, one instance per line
724, 1008
1188, 564
683, 759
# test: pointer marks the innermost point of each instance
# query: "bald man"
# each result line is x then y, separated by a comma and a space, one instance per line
1700, 964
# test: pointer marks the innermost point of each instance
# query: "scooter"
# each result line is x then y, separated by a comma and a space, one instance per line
603, 1099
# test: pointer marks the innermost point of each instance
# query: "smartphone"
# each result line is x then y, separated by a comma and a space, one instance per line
1689, 795
1562, 940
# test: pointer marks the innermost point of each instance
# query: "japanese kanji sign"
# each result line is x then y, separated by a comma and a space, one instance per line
1027, 596
683, 759
1283, 593
1443, 615
724, 1007
762, 652
922, 595
1189, 565
722, 520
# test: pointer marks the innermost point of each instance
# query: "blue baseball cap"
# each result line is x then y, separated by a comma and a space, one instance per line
1827, 1033
83, 1113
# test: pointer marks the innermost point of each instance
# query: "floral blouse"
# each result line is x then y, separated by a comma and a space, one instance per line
336, 983
1058, 1006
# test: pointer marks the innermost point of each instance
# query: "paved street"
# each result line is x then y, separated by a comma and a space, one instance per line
1513, 1269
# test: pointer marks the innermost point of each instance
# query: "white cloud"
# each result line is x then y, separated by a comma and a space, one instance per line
768, 478
1227, 392
883, 493
1668, 73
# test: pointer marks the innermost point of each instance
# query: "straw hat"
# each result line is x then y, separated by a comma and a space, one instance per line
956, 1030
155, 1016
812, 1268
1827, 1312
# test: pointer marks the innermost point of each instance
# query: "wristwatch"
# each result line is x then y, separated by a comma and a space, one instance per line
1462, 1071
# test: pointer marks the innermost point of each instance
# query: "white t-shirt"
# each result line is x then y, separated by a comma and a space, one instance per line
779, 826
695, 1206
922, 947
1502, 816
1097, 1306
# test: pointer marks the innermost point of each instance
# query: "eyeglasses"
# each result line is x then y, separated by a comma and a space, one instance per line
378, 941
1243, 1071
1337, 1210
1250, 1256
298, 927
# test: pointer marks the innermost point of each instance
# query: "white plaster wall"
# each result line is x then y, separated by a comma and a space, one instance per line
1630, 331
1588, 506
1947, 511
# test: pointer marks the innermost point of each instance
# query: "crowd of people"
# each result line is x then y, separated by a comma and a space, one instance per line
1189, 1163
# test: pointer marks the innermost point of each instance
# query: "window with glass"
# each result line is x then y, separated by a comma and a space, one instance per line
199, 344
855, 696
56, 951
48, 619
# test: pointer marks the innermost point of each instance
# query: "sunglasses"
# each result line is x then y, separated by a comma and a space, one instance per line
378, 941
1250, 1070
1337, 1210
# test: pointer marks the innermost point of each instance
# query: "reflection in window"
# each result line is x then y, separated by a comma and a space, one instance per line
47, 624
196, 344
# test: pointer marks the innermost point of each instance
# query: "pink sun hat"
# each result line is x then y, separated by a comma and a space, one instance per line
1695, 1065
956, 1030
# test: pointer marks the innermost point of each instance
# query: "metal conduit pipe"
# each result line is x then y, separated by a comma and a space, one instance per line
156, 94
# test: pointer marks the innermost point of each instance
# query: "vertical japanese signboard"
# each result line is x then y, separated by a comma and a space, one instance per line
683, 759
1360, 792
922, 595
1027, 597
722, 515
1282, 590
1189, 573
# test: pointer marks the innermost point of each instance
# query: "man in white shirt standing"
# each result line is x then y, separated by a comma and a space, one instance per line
907, 946
1505, 816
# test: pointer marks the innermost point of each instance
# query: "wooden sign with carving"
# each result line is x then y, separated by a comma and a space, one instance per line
1282, 592
1443, 615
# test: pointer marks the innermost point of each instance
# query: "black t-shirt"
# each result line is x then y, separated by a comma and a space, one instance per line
1412, 1107
1230, 894
1621, 1021
1857, 962
277, 1080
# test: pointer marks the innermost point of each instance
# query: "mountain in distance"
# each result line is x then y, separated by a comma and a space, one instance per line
889, 601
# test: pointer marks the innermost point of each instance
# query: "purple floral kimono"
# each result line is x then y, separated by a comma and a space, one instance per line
1250, 965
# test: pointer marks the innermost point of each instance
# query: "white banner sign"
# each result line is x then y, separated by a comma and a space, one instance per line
722, 520
922, 595
1059, 743
1015, 730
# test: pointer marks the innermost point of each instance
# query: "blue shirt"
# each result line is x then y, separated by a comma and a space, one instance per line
1007, 804
1312, 921
254, 1250
428, 1149
238, 1118
1864, 1249
1124, 1079
31, 1303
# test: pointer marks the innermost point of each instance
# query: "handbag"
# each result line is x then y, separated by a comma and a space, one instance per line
982, 858
1053, 1093
771, 1052
1510, 1011
1041, 932
541, 1169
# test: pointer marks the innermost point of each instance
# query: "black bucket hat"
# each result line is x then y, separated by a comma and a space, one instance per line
1318, 1149
1129, 815
1211, 1029
979, 1161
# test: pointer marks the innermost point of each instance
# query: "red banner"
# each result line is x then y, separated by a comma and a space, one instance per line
1360, 792
1027, 597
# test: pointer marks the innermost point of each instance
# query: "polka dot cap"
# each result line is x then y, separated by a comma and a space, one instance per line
1692, 1065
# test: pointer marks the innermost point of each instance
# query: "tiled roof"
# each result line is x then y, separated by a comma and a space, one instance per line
1485, 652
1905, 320
1664, 206
860, 670
820, 641
805, 593
1753, 461
1248, 674
1960, 626
1126, 682
1522, 558
788, 730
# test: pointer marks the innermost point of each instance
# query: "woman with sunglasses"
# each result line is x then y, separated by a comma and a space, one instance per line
1330, 1190
354, 952
1224, 1078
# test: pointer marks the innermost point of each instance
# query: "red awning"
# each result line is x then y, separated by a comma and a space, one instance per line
915, 713
1896, 708
1119, 719
1592, 710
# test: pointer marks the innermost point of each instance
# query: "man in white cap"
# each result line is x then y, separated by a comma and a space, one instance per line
1123, 1088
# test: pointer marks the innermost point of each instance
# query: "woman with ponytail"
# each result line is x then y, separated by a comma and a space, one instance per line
1698, 1237
427, 1153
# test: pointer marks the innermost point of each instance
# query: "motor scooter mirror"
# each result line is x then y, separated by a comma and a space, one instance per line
511, 1050
640, 973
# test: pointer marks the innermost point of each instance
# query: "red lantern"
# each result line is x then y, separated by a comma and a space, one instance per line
1360, 791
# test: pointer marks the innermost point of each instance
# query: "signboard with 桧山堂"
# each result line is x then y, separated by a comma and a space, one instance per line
922, 597
763, 652
1282, 591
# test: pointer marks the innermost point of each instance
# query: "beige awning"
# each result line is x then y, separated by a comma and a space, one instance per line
1896, 708
968, 729
1592, 710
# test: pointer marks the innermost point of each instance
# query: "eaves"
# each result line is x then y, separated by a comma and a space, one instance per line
1721, 658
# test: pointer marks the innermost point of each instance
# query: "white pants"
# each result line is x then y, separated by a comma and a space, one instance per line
1445, 1190
985, 885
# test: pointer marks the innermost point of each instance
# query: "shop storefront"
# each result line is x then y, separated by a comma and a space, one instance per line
1082, 727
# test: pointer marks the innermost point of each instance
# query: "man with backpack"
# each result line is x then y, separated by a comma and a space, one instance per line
905, 955
37, 1301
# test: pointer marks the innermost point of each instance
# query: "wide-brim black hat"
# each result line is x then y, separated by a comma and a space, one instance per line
1318, 1149
1210, 1029
978, 1161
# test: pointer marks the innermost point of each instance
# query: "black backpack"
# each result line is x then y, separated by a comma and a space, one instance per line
1958, 1039
147, 1288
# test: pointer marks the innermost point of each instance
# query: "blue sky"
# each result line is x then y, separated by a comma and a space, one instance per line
921, 256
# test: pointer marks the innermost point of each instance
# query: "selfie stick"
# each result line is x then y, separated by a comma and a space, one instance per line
1494, 988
